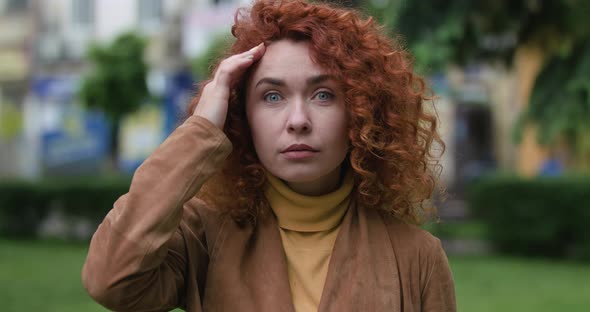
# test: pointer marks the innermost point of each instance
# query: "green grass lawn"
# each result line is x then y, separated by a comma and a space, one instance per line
45, 276
37, 276
506, 284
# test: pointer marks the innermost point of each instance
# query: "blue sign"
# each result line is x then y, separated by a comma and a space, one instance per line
81, 141
57, 88
76, 141
179, 91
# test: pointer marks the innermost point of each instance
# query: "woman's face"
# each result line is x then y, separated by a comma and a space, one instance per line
297, 117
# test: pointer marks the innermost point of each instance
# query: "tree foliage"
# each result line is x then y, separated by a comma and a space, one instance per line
117, 82
439, 32
560, 103
459, 31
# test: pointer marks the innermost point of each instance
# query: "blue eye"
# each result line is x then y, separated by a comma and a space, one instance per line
273, 97
324, 95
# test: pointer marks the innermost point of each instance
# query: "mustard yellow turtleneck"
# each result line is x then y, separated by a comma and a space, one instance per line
308, 226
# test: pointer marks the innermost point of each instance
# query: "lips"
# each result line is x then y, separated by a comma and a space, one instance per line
299, 148
299, 152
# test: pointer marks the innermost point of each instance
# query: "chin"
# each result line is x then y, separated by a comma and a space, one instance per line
299, 178
299, 174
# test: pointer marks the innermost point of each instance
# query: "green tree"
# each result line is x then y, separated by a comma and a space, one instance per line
548, 36
116, 83
440, 32
561, 103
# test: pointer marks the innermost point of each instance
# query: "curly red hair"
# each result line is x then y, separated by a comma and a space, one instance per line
390, 130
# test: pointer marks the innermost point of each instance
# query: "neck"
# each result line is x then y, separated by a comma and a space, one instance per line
308, 213
323, 185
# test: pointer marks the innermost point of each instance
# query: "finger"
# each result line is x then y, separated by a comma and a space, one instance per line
253, 53
257, 52
233, 66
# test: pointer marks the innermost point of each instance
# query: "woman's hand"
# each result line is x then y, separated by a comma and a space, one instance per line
213, 104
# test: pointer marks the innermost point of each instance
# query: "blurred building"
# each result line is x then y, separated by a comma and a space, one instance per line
473, 139
43, 47
15, 66
73, 140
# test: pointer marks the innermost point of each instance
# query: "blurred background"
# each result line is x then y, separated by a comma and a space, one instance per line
89, 88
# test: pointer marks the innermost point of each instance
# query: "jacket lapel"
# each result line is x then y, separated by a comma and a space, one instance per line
249, 271
362, 275
269, 262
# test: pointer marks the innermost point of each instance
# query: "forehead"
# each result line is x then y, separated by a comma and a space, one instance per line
286, 59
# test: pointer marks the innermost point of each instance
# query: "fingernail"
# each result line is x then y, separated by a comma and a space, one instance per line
256, 47
250, 57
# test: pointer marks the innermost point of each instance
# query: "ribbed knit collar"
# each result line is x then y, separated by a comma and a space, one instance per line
303, 213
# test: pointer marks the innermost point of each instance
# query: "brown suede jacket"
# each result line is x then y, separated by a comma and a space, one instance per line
160, 248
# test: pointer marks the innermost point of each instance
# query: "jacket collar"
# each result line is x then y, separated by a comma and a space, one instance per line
250, 266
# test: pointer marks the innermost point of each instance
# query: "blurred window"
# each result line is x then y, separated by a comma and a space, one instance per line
16, 5
83, 12
150, 11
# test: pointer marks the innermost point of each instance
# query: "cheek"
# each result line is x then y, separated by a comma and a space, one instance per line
261, 137
338, 129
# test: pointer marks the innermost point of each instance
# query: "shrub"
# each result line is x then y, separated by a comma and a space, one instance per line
24, 205
536, 217
22, 208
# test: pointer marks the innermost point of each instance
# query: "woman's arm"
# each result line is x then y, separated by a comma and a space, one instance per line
137, 257
438, 292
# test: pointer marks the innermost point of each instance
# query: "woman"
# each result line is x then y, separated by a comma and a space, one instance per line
305, 201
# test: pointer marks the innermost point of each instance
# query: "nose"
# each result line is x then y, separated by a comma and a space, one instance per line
298, 120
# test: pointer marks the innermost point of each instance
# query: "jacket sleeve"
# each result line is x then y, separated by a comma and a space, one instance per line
438, 290
137, 257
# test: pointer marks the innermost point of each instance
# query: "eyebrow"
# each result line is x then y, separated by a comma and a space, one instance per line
281, 83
